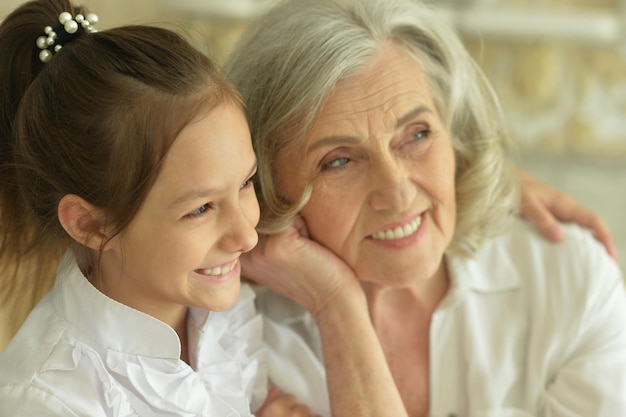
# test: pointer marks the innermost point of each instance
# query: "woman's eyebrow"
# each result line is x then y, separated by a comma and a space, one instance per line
350, 140
411, 114
333, 140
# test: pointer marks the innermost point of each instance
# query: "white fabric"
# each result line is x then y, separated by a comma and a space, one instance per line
80, 353
528, 328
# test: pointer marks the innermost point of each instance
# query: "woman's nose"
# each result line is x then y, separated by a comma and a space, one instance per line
391, 186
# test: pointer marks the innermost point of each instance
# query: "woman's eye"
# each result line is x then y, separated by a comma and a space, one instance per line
335, 163
200, 211
422, 134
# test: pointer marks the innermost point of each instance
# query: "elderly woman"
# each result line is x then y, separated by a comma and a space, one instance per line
383, 162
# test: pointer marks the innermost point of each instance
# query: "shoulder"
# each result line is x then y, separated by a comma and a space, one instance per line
31, 346
578, 260
543, 318
27, 400
48, 370
575, 275
60, 380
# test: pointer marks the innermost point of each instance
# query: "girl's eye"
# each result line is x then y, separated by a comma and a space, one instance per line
200, 211
335, 163
249, 183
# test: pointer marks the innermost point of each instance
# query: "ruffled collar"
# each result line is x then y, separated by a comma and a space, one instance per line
112, 325
142, 353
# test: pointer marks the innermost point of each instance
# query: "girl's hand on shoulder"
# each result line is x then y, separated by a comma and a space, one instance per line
278, 404
545, 206
296, 267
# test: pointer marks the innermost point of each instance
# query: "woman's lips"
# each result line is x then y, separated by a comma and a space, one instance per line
399, 232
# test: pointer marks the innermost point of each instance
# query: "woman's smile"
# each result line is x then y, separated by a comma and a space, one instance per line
398, 232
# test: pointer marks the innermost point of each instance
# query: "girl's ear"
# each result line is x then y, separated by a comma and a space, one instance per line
83, 222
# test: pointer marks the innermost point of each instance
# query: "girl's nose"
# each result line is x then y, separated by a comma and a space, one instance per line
241, 235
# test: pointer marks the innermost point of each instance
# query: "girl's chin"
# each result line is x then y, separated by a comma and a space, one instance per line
222, 300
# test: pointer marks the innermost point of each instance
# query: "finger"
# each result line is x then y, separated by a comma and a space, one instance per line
299, 410
247, 266
535, 211
249, 260
601, 232
284, 402
273, 394
598, 228
276, 403
300, 225
568, 210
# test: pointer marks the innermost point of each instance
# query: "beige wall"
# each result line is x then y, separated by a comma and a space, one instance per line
111, 12
559, 96
214, 35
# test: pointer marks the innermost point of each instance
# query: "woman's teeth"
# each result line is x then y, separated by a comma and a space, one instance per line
400, 231
218, 270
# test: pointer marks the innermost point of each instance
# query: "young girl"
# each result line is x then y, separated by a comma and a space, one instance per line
129, 148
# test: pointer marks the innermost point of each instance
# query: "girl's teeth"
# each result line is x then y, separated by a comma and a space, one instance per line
400, 231
219, 270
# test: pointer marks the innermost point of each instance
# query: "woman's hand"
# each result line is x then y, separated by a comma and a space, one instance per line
278, 404
545, 206
293, 265
358, 378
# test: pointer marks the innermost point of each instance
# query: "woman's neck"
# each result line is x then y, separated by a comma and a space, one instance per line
420, 297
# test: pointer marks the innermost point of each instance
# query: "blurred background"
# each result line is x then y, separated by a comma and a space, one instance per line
559, 67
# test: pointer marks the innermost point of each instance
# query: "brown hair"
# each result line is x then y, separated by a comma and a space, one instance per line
96, 121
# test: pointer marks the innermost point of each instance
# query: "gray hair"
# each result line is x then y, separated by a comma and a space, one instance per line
290, 60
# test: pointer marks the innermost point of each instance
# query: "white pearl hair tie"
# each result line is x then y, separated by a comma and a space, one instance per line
54, 39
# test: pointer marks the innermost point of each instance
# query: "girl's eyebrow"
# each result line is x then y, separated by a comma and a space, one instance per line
253, 170
201, 193
191, 195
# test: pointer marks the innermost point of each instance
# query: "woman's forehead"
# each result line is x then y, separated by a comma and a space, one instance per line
391, 85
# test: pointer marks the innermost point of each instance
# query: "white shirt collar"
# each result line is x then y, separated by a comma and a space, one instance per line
467, 273
97, 316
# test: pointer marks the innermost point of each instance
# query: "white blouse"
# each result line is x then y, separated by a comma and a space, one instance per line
528, 328
80, 353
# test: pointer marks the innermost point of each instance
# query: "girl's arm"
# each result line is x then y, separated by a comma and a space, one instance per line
545, 206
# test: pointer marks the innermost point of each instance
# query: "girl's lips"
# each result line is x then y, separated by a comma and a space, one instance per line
219, 270
399, 232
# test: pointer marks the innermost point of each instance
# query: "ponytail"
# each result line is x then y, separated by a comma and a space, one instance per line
18, 50
24, 257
